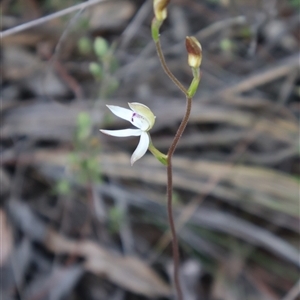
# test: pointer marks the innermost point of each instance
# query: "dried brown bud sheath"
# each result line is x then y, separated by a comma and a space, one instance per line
194, 50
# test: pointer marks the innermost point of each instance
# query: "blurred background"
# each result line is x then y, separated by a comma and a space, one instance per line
78, 222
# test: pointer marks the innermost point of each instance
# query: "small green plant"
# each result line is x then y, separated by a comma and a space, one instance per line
85, 46
62, 187
104, 67
115, 217
83, 159
226, 45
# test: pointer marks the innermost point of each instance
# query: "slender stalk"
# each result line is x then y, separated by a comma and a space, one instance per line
159, 155
181, 128
170, 194
189, 93
171, 151
166, 68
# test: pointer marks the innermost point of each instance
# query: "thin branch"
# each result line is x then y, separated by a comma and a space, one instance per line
48, 18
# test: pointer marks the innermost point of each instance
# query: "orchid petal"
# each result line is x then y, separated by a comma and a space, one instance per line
123, 132
121, 112
141, 148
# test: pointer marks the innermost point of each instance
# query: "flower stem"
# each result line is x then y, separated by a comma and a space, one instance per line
166, 68
155, 29
194, 84
170, 194
163, 158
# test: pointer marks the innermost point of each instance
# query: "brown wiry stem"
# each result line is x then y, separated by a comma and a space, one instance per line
171, 151
166, 69
170, 194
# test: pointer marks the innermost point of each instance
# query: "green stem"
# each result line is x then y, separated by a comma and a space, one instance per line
155, 29
159, 155
194, 84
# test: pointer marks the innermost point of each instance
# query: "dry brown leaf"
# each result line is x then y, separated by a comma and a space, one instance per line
128, 272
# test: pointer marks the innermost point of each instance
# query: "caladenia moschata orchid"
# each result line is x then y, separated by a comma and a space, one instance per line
194, 51
143, 119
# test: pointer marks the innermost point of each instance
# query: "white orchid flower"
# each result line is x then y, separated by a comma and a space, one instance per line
142, 118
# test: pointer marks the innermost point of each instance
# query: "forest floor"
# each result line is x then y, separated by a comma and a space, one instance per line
79, 222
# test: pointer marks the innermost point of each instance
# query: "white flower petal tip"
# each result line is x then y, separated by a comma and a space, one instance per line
141, 117
141, 149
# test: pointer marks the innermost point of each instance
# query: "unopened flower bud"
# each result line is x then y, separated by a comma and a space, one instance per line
194, 50
160, 9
